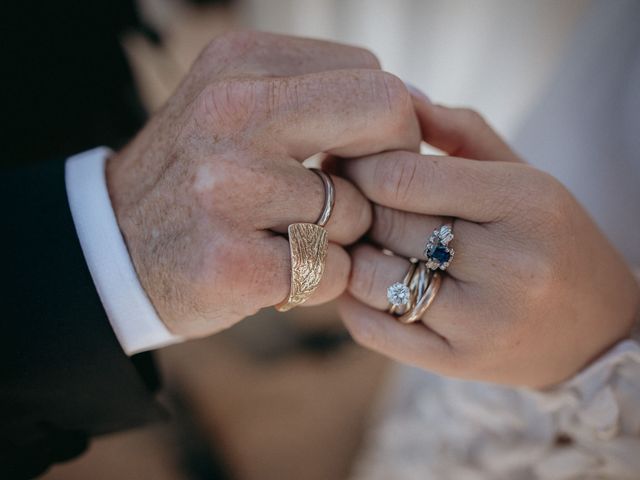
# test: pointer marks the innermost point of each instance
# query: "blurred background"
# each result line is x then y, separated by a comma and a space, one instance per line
289, 396
493, 55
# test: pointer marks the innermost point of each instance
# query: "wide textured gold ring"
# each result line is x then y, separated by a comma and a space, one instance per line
308, 245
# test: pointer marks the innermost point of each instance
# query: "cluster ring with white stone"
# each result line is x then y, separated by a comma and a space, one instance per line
437, 251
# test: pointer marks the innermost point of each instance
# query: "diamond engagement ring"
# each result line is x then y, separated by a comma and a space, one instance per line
437, 251
411, 298
399, 294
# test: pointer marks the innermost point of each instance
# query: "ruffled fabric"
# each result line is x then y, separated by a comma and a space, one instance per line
438, 428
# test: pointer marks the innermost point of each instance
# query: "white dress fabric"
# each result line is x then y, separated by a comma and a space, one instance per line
439, 428
585, 130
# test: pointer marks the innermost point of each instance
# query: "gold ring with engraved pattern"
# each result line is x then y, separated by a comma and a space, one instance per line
308, 245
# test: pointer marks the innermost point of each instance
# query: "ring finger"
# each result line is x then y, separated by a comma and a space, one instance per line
406, 234
373, 272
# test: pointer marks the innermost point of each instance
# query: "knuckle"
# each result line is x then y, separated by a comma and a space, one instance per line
399, 177
471, 125
395, 93
472, 118
513, 193
369, 59
231, 43
227, 106
281, 94
548, 204
402, 122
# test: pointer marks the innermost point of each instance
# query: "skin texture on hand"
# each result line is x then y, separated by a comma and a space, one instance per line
535, 291
205, 190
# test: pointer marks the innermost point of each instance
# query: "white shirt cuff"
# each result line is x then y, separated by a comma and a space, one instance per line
130, 312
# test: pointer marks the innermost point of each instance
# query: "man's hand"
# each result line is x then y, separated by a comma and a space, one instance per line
204, 189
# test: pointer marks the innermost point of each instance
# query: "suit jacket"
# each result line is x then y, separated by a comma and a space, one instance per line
63, 374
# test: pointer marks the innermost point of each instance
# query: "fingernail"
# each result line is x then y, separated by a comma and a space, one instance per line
417, 93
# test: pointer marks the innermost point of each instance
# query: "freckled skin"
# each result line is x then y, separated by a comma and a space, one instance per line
205, 191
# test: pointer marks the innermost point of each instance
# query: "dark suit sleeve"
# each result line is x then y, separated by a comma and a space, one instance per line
63, 374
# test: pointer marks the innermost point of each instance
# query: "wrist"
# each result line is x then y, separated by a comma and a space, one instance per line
129, 310
118, 181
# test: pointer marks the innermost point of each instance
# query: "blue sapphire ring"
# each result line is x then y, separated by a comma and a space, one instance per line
437, 251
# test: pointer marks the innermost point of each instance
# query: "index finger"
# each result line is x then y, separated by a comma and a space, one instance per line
445, 186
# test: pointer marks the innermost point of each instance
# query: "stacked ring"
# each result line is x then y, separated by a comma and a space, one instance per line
406, 297
411, 298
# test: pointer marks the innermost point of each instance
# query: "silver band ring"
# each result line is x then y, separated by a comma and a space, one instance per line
329, 197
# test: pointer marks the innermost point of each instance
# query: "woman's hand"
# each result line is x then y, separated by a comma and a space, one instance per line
201, 193
535, 291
